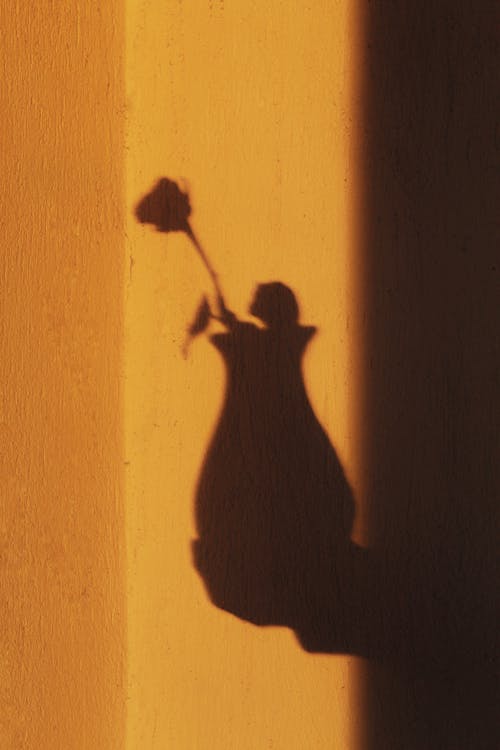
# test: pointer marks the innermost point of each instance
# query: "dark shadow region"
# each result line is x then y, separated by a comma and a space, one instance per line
274, 510
430, 296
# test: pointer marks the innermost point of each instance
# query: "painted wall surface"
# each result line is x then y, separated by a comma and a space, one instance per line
386, 239
62, 627
251, 105
429, 295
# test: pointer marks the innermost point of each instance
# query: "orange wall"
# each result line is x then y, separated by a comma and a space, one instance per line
61, 520
103, 425
252, 104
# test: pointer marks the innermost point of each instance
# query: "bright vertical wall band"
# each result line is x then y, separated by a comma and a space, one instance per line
252, 107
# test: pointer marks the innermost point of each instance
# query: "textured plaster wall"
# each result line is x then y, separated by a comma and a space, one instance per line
429, 294
251, 104
62, 629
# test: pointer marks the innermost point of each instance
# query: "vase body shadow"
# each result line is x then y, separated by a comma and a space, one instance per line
274, 510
